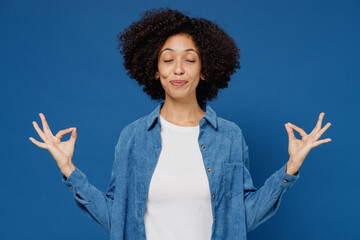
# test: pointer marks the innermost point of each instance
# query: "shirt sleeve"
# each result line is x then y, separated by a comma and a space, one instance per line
96, 204
262, 203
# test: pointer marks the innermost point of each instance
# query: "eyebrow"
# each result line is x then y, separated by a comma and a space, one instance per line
187, 50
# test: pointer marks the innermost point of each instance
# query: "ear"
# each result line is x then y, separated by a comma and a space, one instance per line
156, 75
202, 76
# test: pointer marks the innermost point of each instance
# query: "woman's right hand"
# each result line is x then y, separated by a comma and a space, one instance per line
62, 152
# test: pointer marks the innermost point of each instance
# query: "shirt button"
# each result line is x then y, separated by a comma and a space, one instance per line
214, 219
213, 196
208, 169
202, 122
202, 146
70, 187
285, 181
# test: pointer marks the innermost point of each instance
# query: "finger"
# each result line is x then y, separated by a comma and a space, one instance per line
37, 143
41, 134
317, 143
320, 133
73, 136
290, 132
61, 133
45, 125
318, 124
299, 130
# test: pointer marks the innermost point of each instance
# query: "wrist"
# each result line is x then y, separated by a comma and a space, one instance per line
291, 168
67, 169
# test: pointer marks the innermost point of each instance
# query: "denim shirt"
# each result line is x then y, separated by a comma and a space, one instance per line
237, 206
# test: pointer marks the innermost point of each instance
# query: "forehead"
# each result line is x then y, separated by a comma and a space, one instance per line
181, 42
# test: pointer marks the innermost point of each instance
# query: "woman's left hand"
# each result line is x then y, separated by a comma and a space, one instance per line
299, 149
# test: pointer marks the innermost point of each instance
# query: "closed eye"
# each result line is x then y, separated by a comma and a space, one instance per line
186, 60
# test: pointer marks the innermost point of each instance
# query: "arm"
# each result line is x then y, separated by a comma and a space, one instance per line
96, 204
261, 204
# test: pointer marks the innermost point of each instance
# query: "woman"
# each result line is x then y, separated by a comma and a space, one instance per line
158, 187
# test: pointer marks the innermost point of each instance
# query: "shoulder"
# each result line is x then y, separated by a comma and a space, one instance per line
139, 123
233, 131
132, 129
229, 127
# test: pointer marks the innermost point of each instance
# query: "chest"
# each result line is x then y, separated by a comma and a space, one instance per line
180, 174
195, 162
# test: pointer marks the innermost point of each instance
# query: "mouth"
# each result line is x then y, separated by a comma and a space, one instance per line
178, 83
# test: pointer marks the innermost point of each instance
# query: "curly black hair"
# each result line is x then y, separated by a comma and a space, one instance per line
141, 42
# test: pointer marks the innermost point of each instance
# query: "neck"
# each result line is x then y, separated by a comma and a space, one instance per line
182, 113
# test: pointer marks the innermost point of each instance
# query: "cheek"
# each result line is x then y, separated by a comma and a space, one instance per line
196, 71
164, 70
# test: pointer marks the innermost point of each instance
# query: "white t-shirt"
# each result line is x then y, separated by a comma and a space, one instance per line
179, 204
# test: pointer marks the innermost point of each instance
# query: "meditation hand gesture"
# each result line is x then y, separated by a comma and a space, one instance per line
298, 149
61, 151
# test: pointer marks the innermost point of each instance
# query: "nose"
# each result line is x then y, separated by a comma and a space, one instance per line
179, 69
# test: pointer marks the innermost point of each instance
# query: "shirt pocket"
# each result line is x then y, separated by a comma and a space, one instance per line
233, 179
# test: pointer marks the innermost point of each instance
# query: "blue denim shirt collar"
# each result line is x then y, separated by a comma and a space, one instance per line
153, 117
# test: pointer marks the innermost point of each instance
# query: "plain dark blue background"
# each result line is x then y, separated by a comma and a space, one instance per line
299, 58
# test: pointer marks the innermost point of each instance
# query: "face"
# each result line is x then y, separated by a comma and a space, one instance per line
179, 67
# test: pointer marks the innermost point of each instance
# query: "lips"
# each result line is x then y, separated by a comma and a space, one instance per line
178, 82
